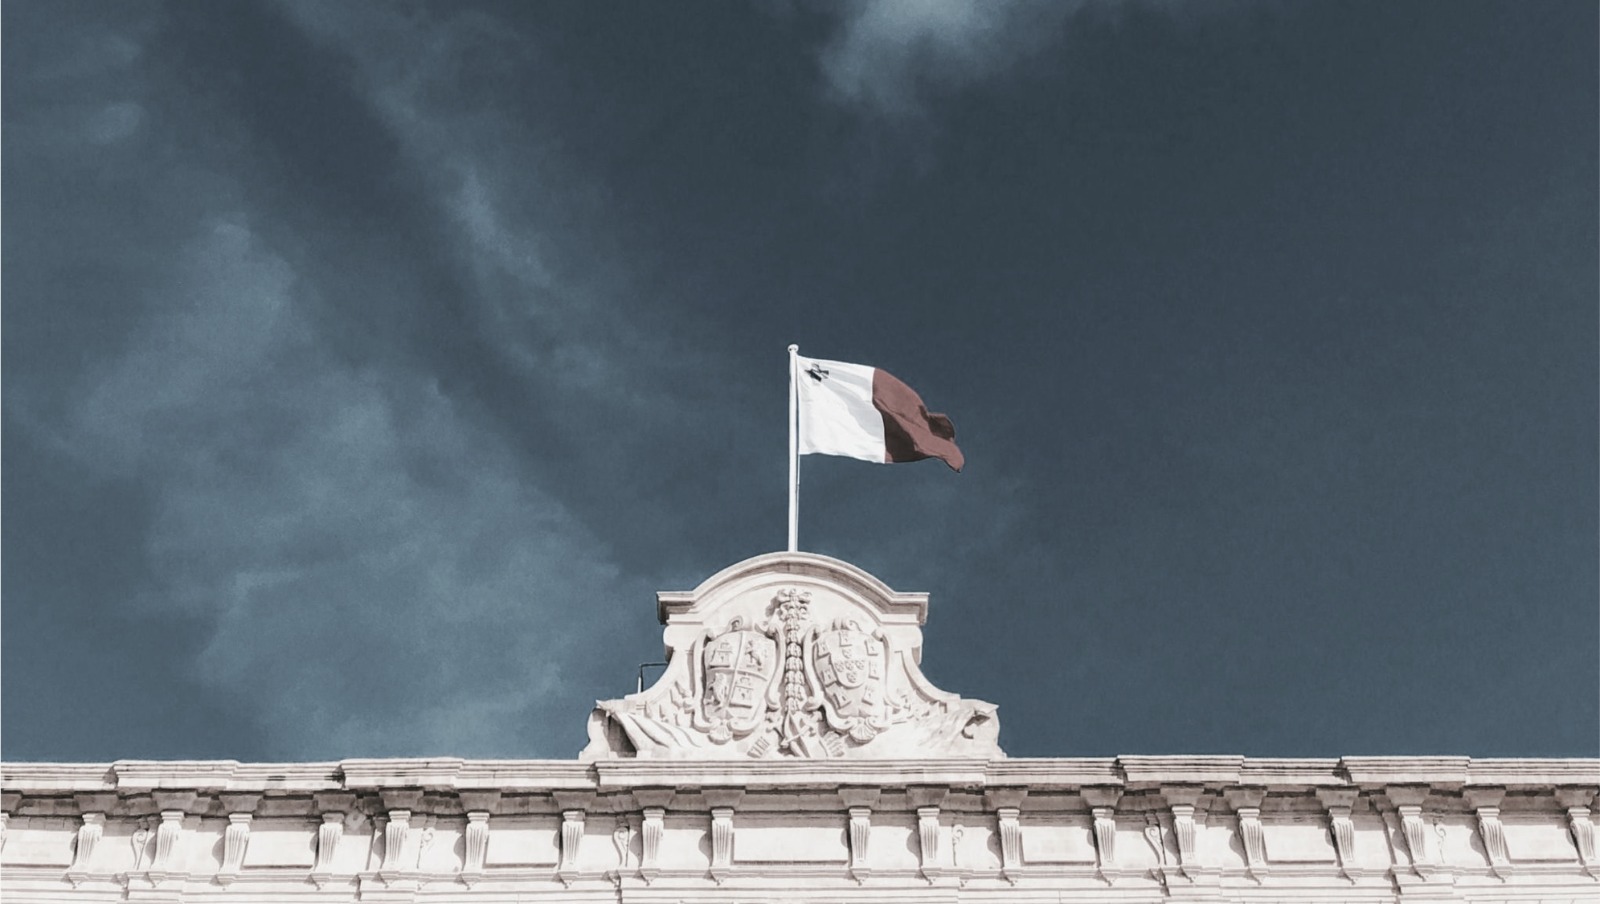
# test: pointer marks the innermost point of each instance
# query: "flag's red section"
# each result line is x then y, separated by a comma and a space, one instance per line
910, 431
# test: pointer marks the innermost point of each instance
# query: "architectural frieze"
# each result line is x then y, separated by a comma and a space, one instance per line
1368, 827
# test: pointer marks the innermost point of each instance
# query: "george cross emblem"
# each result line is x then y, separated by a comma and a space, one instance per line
816, 372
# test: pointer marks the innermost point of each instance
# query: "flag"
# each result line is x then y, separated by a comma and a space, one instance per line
864, 412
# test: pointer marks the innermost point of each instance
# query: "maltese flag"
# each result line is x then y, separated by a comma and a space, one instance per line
863, 412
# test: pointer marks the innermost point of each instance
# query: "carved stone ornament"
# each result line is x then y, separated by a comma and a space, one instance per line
860, 833
1253, 836
792, 655
1009, 822
622, 840
475, 847
721, 843
928, 842
571, 837
1105, 841
88, 837
328, 836
1583, 837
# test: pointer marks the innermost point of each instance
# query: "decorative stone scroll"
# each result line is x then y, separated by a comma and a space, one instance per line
88, 839
860, 834
793, 655
1339, 803
475, 847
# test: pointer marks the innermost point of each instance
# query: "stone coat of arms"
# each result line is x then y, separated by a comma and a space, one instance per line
851, 668
739, 668
780, 671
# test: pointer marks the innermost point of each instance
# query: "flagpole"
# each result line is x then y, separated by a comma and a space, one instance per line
794, 451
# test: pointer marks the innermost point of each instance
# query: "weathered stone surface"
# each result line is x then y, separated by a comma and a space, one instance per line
741, 830
793, 655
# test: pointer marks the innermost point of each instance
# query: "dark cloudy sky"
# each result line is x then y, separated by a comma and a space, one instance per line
368, 367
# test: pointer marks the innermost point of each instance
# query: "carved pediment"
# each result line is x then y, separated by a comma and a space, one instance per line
792, 655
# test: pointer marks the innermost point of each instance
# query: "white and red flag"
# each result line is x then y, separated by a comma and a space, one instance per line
865, 412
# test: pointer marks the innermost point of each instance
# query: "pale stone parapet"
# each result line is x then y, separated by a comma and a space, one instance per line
1358, 828
232, 784
126, 778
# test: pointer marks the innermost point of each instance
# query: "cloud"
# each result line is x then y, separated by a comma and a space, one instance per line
115, 121
526, 224
885, 57
358, 543
382, 564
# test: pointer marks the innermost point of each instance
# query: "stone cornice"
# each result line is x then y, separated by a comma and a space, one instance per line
1163, 770
445, 775
1055, 773
1406, 770
1208, 828
1513, 773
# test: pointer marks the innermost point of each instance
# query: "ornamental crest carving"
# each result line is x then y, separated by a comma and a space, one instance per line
851, 667
739, 669
792, 655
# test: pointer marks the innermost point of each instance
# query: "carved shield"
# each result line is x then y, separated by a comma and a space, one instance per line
740, 666
850, 665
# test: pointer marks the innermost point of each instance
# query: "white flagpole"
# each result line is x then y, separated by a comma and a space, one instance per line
794, 451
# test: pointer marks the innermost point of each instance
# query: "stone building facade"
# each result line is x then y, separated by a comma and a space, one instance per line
793, 751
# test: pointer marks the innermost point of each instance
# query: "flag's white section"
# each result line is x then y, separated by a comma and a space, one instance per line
837, 416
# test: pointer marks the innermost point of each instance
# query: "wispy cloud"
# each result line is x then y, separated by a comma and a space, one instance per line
886, 56
383, 567
358, 543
